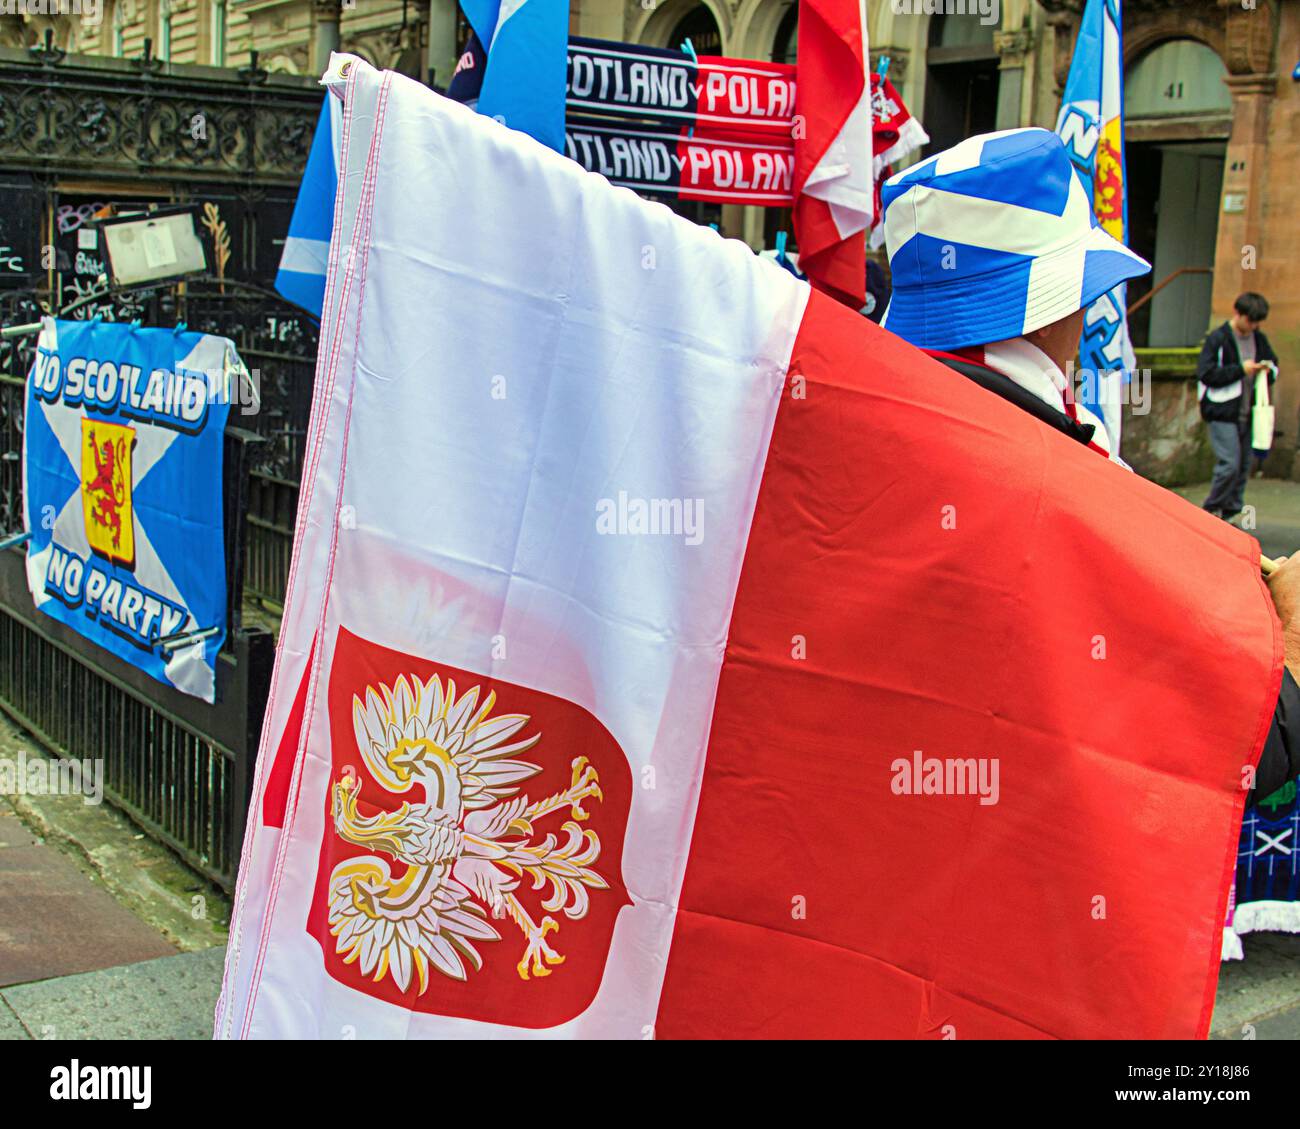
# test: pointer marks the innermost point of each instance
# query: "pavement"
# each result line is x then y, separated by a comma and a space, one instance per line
1259, 997
104, 934
1271, 516
55, 920
171, 997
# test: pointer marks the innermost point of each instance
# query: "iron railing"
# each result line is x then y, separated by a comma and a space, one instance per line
76, 134
178, 766
70, 114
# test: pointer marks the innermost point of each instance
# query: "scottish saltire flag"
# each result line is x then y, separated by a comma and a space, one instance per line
1091, 123
301, 277
671, 652
1267, 888
523, 82
122, 486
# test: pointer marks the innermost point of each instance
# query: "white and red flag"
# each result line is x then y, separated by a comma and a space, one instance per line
894, 134
833, 183
669, 650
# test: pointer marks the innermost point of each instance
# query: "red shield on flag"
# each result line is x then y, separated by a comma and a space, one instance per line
471, 861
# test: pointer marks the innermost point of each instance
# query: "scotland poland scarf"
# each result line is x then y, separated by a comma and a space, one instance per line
670, 651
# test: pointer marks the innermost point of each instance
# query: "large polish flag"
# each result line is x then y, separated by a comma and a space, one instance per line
669, 651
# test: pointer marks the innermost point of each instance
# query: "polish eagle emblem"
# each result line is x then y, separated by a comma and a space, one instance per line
464, 848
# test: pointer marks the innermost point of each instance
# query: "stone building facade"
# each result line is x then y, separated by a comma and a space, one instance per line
1213, 108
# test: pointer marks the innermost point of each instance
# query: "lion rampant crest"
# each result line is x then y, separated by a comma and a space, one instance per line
465, 847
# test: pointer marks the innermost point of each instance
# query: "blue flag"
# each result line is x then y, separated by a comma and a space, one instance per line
301, 277
122, 478
1091, 124
527, 45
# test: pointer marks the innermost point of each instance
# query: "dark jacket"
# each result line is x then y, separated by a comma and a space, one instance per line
1280, 760
1223, 381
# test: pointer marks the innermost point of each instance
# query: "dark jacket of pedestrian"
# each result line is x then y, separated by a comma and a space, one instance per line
1226, 393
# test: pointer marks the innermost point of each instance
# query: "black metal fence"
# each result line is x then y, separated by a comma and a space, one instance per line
76, 134
178, 766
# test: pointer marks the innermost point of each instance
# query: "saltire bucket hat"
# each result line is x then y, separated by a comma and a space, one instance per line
992, 239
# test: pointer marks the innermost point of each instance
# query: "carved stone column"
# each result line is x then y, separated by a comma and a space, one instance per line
1014, 49
1250, 35
1243, 256
326, 15
1063, 27
441, 57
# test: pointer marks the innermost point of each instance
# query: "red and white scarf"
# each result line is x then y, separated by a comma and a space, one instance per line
1028, 366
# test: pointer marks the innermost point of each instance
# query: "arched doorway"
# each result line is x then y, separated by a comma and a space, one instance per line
1178, 115
785, 49
700, 26
961, 83
785, 45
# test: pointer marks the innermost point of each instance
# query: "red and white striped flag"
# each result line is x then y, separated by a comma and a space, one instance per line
669, 650
833, 183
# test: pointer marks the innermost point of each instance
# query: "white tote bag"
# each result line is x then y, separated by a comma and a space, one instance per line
1262, 418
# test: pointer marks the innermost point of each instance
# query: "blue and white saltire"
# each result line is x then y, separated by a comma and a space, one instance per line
527, 52
1091, 124
994, 238
301, 277
122, 491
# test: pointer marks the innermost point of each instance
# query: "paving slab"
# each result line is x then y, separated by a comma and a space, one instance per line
1263, 985
172, 997
1284, 1024
54, 920
10, 1025
1275, 515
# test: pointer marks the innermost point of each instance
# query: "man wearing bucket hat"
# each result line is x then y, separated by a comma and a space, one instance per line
996, 254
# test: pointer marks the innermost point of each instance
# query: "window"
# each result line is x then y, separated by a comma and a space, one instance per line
164, 29
961, 83
219, 33
118, 31
1180, 76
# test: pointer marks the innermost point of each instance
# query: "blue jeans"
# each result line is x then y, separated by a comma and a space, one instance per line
1231, 443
